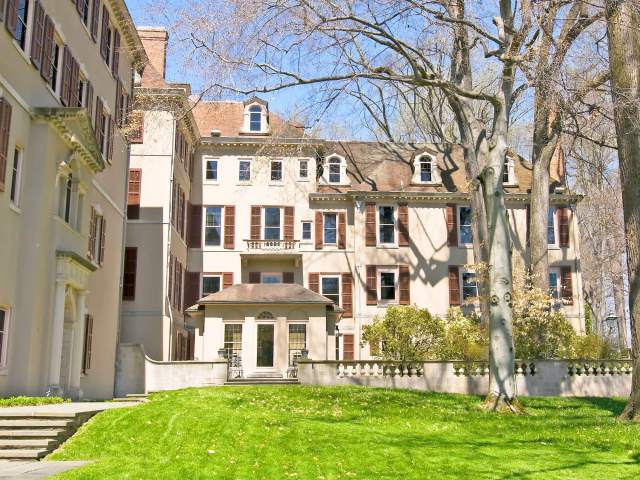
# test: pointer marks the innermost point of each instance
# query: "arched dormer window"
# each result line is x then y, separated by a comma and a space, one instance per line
425, 169
255, 118
335, 173
266, 316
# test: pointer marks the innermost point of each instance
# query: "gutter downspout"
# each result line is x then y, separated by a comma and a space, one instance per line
168, 254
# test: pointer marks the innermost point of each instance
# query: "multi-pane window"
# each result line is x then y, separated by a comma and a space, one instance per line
54, 60
330, 234
233, 340
211, 170
271, 277
276, 171
244, 172
426, 175
107, 44
334, 170
104, 132
469, 286
213, 226
551, 226
272, 223
554, 284
386, 224
80, 94
505, 172
303, 171
16, 171
129, 274
330, 288
68, 193
466, 221
4, 320
211, 284
306, 230
84, 11
255, 118
387, 287
297, 341
21, 24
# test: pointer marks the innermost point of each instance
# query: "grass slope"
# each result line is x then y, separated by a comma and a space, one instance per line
301, 432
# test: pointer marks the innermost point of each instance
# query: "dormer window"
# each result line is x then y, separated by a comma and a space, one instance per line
334, 170
508, 173
255, 118
425, 169
426, 175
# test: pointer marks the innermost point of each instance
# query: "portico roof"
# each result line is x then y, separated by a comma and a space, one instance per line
260, 293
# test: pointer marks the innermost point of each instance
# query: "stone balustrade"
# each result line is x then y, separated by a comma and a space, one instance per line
474, 368
271, 245
376, 368
600, 367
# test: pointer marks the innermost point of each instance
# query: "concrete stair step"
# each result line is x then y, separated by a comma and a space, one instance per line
21, 443
37, 415
35, 423
137, 395
249, 381
32, 433
22, 454
130, 400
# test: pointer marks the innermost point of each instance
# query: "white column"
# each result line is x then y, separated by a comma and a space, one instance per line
55, 360
78, 345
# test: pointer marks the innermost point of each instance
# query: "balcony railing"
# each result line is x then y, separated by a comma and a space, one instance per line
272, 245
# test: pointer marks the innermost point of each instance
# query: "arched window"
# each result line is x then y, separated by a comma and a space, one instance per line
255, 118
335, 175
426, 175
266, 316
425, 169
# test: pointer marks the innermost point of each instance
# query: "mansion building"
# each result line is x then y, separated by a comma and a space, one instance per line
246, 238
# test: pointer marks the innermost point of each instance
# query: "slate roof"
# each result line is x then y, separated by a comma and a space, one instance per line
254, 293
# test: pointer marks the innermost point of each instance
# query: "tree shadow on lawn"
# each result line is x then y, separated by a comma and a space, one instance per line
635, 460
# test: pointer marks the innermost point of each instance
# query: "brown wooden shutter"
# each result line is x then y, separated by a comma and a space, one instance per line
403, 225
347, 294
5, 128
95, 19
230, 227
452, 226
563, 227
254, 277
372, 285
98, 123
129, 275
12, 16
405, 285
103, 238
319, 230
567, 285
110, 136
47, 48
454, 285
191, 289
314, 282
195, 226
347, 346
370, 225
75, 83
67, 72
181, 287
92, 234
2, 10
287, 277
115, 63
256, 214
89, 102
104, 40
79, 4
88, 340
342, 230
289, 215
37, 35
170, 278
118, 112
227, 279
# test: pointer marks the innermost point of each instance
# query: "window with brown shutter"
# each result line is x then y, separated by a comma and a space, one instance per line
319, 230
5, 128
372, 285
230, 227
289, 216
67, 72
89, 102
109, 138
118, 113
314, 282
254, 277
370, 225
75, 100
287, 277
37, 35
452, 226
95, 19
348, 351
98, 123
92, 233
454, 285
563, 227
404, 282
133, 198
195, 226
342, 230
256, 219
88, 340
47, 48
12, 16
115, 63
191, 289
567, 285
129, 275
347, 294
103, 239
105, 35
403, 225
227, 279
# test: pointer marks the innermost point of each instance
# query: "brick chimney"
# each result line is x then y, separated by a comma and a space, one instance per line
558, 167
154, 40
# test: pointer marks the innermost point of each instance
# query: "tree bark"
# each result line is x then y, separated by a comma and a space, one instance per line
617, 280
623, 19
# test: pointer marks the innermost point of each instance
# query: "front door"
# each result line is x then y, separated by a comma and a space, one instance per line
265, 345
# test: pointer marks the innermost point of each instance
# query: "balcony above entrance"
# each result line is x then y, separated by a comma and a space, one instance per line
276, 249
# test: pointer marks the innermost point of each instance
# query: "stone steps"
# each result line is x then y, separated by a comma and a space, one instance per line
263, 381
32, 433
9, 443
24, 454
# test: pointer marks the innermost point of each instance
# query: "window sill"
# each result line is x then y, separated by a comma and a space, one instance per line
244, 184
426, 184
465, 246
15, 208
276, 184
210, 182
303, 180
387, 246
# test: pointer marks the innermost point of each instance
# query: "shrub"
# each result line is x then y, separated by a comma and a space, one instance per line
593, 347
29, 401
465, 338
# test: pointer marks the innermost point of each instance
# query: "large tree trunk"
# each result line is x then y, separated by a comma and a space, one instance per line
623, 19
617, 280
538, 220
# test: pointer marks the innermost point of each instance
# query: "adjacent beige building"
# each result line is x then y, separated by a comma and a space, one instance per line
66, 79
255, 216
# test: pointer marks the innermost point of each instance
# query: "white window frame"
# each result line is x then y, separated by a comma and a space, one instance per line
510, 171
204, 228
467, 271
271, 274
396, 274
302, 239
264, 222
57, 40
339, 278
5, 336
205, 169
209, 275
28, 30
331, 162
271, 164
300, 177
306, 337
250, 161
556, 229
324, 226
16, 176
459, 226
264, 119
395, 226
417, 176
326, 176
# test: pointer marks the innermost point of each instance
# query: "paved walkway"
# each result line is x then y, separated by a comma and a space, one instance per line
33, 469
65, 408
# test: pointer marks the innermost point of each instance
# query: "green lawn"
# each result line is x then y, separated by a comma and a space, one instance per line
29, 401
297, 432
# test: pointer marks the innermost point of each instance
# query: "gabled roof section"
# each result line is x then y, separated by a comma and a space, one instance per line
255, 99
259, 293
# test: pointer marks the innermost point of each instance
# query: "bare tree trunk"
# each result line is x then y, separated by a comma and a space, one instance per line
617, 280
538, 220
623, 19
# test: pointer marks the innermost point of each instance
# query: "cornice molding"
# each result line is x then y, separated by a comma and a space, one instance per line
435, 197
129, 32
